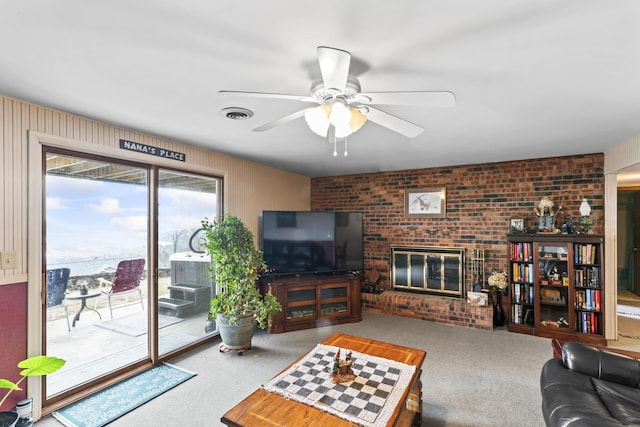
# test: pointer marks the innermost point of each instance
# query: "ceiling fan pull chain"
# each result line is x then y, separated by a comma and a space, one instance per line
335, 146
345, 147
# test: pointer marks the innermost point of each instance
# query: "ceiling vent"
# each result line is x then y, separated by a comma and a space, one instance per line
236, 113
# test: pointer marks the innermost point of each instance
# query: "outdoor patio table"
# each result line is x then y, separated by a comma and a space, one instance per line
83, 304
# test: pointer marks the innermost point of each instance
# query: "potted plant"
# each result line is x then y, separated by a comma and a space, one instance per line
33, 366
239, 307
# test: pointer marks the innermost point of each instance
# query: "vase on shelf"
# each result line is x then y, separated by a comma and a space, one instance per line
498, 313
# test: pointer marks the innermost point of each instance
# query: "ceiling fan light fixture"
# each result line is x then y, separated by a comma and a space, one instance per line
358, 119
346, 120
318, 119
337, 87
340, 115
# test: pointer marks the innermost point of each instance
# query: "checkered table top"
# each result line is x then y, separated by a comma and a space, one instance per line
368, 400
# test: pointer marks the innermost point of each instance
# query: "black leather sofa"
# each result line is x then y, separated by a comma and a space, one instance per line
590, 386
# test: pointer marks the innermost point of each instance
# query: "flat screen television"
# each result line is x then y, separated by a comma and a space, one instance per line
300, 242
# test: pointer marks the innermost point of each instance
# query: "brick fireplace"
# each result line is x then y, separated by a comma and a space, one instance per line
427, 283
432, 308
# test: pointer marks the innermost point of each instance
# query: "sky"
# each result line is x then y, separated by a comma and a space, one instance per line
88, 219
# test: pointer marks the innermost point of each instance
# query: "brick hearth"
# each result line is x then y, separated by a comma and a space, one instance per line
446, 310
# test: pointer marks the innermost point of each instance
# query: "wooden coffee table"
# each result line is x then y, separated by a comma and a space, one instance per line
262, 408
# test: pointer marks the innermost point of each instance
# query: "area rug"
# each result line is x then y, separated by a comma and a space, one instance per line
115, 401
135, 325
368, 400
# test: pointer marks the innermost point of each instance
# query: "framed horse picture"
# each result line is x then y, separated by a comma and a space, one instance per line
426, 202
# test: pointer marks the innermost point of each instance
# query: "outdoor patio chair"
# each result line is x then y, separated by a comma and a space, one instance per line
57, 281
126, 280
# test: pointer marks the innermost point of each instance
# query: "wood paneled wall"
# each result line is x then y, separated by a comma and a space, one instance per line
249, 187
623, 155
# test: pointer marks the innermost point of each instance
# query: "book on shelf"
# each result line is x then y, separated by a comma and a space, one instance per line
521, 251
587, 277
522, 272
521, 315
522, 293
588, 299
584, 253
588, 323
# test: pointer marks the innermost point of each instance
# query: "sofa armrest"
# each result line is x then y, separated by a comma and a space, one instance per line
600, 363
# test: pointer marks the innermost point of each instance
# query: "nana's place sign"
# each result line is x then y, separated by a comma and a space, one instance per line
152, 151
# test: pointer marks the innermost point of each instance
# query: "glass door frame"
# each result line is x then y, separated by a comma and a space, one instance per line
38, 145
151, 358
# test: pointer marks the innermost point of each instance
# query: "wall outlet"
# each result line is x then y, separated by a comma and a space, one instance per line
7, 260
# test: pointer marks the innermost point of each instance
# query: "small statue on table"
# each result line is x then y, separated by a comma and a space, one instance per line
342, 372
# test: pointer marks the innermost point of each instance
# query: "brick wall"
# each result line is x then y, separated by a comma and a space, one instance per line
451, 311
480, 201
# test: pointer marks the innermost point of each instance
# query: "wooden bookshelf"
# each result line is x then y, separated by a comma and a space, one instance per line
556, 287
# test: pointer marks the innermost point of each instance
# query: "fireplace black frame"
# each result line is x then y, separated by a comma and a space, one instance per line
428, 270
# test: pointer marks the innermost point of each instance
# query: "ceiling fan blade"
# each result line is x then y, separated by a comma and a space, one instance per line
286, 119
303, 98
392, 122
334, 66
431, 99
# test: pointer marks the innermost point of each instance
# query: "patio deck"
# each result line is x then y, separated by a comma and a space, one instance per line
94, 347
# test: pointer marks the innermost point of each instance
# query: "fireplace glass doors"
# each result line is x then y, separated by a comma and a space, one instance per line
428, 270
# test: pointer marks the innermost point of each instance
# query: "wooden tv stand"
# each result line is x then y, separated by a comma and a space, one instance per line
315, 300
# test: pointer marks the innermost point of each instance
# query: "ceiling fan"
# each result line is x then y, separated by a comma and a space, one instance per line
342, 107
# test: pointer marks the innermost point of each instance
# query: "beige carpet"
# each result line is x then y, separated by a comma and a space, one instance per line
629, 327
628, 310
469, 377
624, 295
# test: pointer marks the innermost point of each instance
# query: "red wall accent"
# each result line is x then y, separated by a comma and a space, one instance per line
13, 337
480, 201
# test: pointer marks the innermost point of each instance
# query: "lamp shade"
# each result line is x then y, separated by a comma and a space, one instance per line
318, 119
357, 119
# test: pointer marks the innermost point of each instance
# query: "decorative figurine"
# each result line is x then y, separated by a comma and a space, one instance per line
336, 364
547, 213
342, 371
567, 225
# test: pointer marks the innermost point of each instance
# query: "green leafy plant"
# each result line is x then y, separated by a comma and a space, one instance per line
31, 367
236, 267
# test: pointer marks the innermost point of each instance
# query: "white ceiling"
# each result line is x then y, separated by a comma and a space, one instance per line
531, 78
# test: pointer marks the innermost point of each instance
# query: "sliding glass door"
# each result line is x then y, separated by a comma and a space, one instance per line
121, 252
96, 234
184, 284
